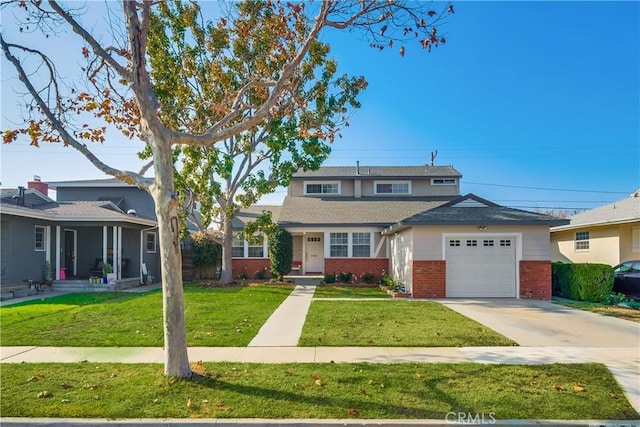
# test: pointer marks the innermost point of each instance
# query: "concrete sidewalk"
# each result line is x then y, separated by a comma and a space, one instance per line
284, 326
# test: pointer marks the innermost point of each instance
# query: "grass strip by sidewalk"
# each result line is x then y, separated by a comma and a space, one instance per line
625, 313
382, 391
338, 291
215, 317
393, 324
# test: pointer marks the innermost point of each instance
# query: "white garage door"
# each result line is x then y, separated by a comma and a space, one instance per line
480, 266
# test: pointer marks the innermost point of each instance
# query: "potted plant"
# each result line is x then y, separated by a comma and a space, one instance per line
107, 269
47, 273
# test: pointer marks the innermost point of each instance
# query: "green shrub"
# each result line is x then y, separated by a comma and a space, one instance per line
387, 280
368, 278
280, 252
206, 251
583, 282
329, 278
260, 275
346, 277
614, 299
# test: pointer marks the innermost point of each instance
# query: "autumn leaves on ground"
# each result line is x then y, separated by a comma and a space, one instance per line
233, 315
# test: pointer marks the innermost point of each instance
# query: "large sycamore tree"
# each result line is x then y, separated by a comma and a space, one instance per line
259, 68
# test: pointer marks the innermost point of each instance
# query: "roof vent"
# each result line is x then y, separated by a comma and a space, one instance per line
132, 212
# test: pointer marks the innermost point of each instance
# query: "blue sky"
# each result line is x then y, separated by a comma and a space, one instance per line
543, 95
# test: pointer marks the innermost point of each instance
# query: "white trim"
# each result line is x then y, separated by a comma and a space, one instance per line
375, 187
155, 242
105, 243
47, 255
58, 249
75, 251
305, 183
43, 242
119, 261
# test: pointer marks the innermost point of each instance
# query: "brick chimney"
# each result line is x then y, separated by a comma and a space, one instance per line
42, 187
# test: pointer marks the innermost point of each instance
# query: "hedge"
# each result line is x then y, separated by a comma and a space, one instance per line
582, 282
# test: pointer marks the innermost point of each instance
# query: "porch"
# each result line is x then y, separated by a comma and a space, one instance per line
84, 285
304, 279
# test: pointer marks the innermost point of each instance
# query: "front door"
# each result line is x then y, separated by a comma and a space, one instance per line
70, 242
314, 254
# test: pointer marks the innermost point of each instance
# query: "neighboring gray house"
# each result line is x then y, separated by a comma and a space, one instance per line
412, 222
78, 232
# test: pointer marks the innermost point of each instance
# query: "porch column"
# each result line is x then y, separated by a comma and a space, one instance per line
119, 276
114, 246
58, 249
303, 270
105, 234
47, 239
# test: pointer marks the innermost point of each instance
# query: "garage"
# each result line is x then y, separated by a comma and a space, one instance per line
481, 266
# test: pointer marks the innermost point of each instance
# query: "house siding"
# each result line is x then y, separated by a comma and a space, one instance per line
24, 262
401, 266
605, 245
134, 198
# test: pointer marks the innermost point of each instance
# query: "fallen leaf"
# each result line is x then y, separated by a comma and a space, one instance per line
189, 403
577, 387
314, 376
65, 385
45, 394
558, 387
319, 383
353, 412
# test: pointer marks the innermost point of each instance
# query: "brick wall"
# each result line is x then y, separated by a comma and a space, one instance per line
357, 266
429, 279
535, 279
250, 266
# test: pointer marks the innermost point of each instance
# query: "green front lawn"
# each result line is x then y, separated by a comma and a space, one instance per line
339, 291
214, 317
372, 391
393, 323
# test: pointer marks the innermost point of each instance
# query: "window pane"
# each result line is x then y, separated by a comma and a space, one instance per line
237, 248
339, 245
39, 238
361, 245
256, 252
582, 240
151, 242
314, 188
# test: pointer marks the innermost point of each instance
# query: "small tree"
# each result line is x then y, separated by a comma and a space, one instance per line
206, 250
280, 252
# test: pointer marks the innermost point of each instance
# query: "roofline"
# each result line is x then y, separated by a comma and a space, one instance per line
351, 224
9, 210
594, 224
355, 176
88, 184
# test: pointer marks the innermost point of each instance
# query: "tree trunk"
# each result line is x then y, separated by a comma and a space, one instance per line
175, 338
226, 275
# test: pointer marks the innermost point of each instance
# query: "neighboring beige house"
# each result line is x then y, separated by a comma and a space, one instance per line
609, 234
413, 223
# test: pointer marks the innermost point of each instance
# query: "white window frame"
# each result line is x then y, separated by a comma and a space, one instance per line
635, 239
155, 241
245, 248
444, 181
352, 241
234, 245
579, 245
341, 244
321, 183
262, 246
39, 246
392, 182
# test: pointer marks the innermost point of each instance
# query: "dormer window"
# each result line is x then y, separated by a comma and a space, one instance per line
332, 187
392, 187
443, 181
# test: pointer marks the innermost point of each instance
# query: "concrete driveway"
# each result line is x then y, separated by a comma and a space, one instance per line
533, 323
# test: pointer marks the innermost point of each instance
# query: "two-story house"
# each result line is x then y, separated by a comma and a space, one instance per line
411, 222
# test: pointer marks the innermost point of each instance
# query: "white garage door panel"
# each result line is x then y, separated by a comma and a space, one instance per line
481, 267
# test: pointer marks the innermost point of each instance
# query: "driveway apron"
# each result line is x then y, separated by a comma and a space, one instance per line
533, 323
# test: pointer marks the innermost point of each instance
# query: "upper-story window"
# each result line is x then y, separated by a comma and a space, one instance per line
443, 181
392, 187
322, 187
